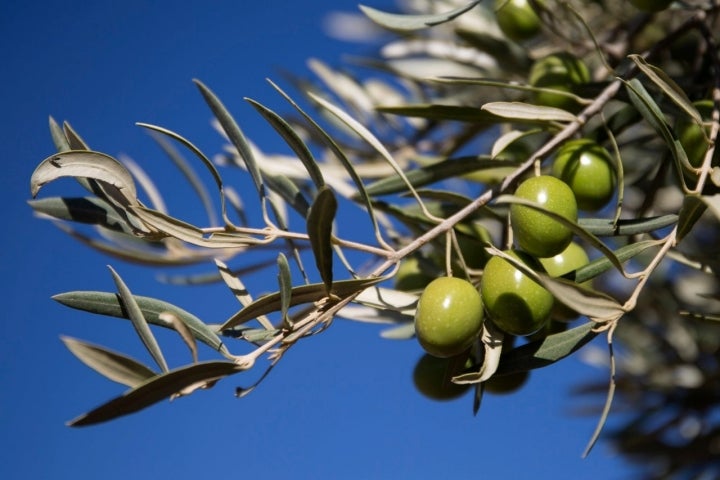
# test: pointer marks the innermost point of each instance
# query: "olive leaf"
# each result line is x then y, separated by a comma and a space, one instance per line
597, 306
405, 22
434, 172
285, 285
86, 164
107, 303
299, 295
113, 365
604, 227
547, 351
187, 170
529, 112
138, 321
293, 140
319, 227
157, 388
668, 87
340, 155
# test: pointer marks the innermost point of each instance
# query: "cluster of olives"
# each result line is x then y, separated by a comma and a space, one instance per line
451, 310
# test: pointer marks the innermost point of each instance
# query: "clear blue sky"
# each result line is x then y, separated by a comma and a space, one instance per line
340, 405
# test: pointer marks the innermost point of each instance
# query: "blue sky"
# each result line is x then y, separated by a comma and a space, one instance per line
340, 405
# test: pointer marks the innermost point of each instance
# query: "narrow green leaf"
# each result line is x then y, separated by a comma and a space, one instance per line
290, 192
527, 111
187, 170
404, 22
603, 264
113, 365
668, 86
604, 227
107, 303
300, 295
435, 172
237, 287
340, 155
652, 114
692, 209
319, 228
285, 285
156, 389
542, 353
235, 134
138, 321
73, 138
456, 113
293, 140
58, 136
184, 332
186, 232
90, 210
85, 164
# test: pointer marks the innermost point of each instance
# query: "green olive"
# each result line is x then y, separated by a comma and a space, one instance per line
558, 71
536, 232
651, 5
587, 168
570, 259
449, 316
410, 276
691, 136
517, 19
515, 303
432, 378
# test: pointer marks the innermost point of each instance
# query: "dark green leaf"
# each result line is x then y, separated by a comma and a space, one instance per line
319, 227
293, 140
236, 136
106, 303
604, 227
156, 389
405, 22
692, 209
480, 118
652, 114
290, 192
435, 172
333, 146
602, 264
542, 353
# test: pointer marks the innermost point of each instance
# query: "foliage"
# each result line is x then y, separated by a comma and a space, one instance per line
427, 140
